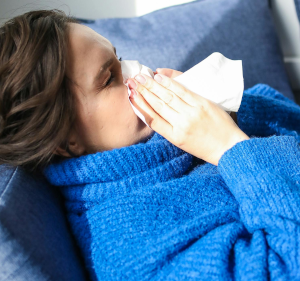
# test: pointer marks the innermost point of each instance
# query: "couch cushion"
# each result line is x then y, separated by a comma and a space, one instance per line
35, 242
179, 37
297, 4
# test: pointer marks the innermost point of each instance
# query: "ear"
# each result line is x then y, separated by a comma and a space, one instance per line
73, 149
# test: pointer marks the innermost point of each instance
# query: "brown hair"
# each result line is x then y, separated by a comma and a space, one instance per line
36, 106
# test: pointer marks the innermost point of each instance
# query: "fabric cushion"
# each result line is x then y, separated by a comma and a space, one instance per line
35, 242
297, 4
179, 37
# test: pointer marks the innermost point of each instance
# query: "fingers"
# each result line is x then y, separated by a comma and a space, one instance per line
153, 119
171, 73
176, 88
186, 95
157, 104
165, 95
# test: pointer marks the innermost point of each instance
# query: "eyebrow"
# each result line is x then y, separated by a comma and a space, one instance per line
104, 67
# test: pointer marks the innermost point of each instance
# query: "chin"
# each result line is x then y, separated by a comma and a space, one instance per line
148, 132
143, 130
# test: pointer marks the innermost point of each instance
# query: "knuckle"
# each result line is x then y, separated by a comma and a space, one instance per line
179, 140
160, 106
169, 98
205, 103
185, 129
167, 82
149, 83
194, 115
142, 90
200, 108
202, 102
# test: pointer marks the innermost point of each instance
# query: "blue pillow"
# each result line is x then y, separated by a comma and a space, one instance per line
35, 241
179, 37
297, 4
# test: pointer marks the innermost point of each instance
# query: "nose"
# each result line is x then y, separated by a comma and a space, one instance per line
126, 90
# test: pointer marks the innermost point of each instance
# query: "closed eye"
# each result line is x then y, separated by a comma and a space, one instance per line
111, 78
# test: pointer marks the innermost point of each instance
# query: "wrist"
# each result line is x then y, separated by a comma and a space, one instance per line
241, 136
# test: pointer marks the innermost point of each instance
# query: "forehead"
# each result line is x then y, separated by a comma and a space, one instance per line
87, 51
83, 37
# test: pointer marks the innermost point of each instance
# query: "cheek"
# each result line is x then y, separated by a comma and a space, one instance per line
111, 111
121, 105
123, 119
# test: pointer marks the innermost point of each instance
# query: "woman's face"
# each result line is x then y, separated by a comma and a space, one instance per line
105, 119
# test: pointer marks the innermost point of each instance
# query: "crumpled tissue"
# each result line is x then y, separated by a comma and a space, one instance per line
216, 78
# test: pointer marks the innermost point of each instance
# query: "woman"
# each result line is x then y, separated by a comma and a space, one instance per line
141, 202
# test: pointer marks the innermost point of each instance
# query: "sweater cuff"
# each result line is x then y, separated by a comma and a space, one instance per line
281, 153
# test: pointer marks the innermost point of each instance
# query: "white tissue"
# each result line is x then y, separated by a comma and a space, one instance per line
216, 78
130, 68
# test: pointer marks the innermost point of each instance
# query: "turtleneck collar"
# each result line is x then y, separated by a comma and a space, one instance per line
116, 164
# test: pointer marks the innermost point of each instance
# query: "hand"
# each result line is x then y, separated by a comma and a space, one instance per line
171, 73
189, 121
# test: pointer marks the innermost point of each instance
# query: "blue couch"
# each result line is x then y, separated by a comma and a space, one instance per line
35, 240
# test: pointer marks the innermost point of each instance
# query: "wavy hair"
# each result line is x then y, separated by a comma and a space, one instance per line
36, 105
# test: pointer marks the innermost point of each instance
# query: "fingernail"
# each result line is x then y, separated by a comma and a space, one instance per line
158, 78
132, 84
133, 94
140, 79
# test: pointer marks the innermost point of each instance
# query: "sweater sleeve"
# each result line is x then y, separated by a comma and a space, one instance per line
264, 176
265, 112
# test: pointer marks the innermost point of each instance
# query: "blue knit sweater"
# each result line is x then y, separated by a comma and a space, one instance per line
151, 211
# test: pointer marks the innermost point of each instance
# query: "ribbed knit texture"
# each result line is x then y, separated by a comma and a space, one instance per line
151, 211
